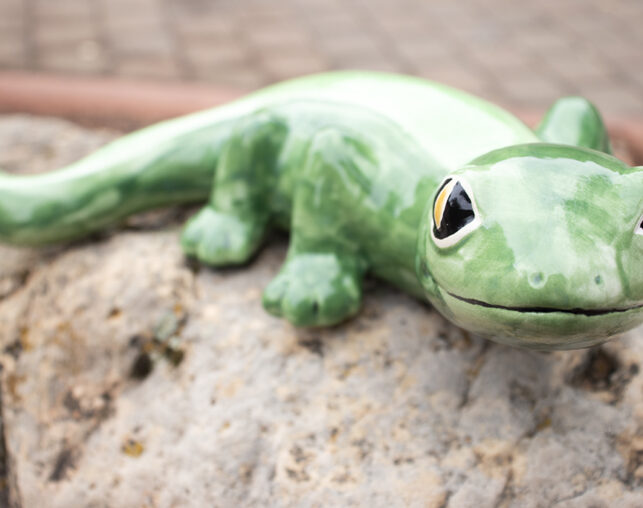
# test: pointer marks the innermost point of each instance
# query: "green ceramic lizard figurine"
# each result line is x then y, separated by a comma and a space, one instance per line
530, 238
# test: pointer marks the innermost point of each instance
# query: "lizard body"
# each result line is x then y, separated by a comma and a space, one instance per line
440, 193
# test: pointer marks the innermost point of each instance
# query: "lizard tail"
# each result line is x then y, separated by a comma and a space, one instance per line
169, 163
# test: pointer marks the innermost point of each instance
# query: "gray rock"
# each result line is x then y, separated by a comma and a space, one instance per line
132, 379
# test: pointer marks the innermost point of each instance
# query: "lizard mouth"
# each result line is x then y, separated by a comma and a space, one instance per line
546, 310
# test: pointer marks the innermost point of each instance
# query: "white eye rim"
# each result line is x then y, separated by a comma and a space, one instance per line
450, 241
638, 228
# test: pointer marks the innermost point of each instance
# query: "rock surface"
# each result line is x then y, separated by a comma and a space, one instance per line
131, 378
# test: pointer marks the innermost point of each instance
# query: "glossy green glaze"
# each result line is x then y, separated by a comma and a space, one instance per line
530, 243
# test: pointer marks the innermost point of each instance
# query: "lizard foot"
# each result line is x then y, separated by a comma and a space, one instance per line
220, 239
314, 290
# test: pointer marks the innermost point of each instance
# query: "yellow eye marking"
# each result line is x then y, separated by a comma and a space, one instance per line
440, 203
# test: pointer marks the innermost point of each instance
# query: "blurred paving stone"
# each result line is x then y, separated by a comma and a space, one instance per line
11, 22
580, 67
243, 76
623, 101
199, 28
148, 41
568, 43
531, 89
421, 54
71, 59
351, 45
49, 35
280, 38
60, 10
12, 50
147, 66
222, 52
464, 77
380, 64
289, 65
131, 379
333, 23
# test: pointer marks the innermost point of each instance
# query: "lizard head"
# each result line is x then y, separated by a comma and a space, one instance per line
537, 245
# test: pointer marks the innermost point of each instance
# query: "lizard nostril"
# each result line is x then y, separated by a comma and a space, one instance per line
598, 279
536, 279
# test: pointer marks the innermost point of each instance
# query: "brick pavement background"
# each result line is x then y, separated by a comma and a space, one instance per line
518, 53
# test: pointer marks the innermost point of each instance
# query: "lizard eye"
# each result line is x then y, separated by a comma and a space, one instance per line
639, 227
454, 213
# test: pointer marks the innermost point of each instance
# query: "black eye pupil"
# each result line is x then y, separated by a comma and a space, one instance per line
458, 212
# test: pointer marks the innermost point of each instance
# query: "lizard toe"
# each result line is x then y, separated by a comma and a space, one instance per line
219, 239
313, 290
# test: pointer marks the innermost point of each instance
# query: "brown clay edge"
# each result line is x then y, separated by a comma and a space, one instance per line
104, 101
129, 103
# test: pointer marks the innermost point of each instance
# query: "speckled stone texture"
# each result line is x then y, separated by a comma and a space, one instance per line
132, 378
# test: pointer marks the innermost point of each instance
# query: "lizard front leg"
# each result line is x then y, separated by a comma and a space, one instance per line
232, 226
321, 281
